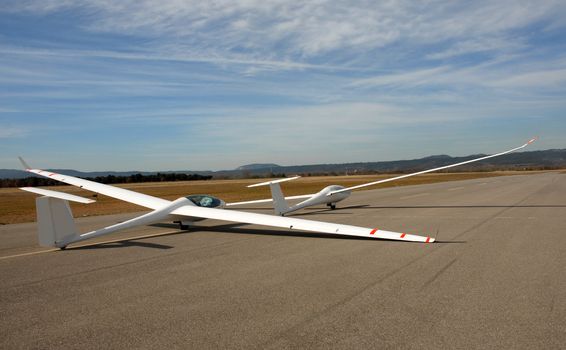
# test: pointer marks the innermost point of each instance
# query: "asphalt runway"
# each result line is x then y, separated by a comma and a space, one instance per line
496, 279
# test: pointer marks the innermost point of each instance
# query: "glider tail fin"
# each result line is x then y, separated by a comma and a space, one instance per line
279, 204
55, 222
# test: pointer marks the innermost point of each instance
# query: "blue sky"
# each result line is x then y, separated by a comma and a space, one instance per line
145, 85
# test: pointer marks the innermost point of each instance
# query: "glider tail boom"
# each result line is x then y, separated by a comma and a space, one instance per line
57, 226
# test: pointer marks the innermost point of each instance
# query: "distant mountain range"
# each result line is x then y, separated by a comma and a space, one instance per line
549, 159
257, 166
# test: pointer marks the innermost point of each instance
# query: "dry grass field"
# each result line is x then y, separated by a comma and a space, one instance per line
17, 206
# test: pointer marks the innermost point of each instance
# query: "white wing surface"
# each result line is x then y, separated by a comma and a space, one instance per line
431, 170
296, 224
141, 199
60, 195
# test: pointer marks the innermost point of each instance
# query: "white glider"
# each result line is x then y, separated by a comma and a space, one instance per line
56, 227
333, 194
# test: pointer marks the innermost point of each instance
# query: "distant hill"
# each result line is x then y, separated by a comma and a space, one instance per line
257, 166
13, 174
549, 159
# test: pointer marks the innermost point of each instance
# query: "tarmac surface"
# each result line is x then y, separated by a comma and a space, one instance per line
495, 279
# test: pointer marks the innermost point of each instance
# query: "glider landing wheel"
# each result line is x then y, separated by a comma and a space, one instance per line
182, 226
332, 206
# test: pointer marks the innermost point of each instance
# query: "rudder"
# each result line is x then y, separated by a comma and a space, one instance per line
279, 204
55, 222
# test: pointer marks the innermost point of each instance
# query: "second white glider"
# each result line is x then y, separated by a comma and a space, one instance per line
333, 194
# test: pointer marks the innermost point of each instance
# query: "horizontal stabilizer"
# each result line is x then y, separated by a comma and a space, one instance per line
60, 195
274, 181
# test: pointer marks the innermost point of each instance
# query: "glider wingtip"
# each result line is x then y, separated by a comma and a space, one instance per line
24, 163
532, 140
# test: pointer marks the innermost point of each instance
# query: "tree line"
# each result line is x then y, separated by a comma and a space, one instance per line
109, 179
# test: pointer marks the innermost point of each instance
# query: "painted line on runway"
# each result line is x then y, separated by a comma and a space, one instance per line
452, 217
415, 195
90, 244
456, 188
515, 218
30, 253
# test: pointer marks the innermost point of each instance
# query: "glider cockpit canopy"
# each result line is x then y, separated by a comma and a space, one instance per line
206, 201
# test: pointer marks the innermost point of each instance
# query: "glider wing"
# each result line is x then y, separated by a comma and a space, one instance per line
431, 170
296, 224
141, 199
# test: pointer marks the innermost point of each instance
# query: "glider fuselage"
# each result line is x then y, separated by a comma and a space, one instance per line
324, 196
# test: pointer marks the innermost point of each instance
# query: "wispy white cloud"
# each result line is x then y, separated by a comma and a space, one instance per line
169, 55
12, 132
278, 33
299, 81
480, 45
550, 78
493, 77
410, 78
